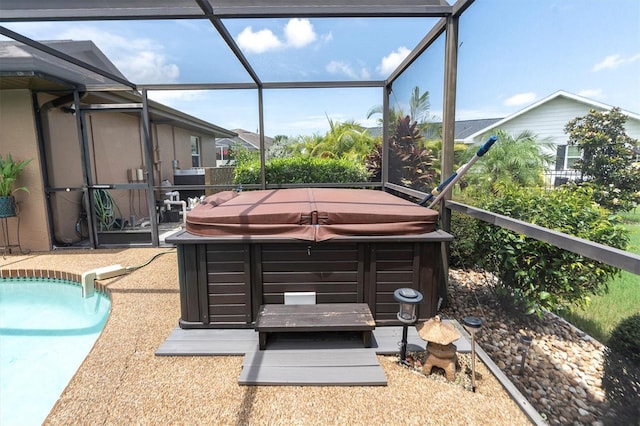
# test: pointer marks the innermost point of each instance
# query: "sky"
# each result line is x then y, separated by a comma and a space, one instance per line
511, 54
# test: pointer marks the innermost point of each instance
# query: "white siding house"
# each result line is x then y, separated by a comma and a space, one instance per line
547, 119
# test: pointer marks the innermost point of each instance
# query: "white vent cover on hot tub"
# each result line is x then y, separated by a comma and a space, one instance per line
300, 298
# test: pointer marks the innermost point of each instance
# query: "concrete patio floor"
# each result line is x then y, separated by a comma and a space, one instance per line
122, 381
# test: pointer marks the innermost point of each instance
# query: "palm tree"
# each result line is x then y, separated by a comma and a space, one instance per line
419, 106
344, 140
514, 160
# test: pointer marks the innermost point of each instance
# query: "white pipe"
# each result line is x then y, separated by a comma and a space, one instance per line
184, 209
89, 277
174, 195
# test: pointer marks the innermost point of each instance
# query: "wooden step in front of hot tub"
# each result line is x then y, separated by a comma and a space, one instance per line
273, 318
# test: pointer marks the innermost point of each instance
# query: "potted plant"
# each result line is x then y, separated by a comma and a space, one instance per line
9, 172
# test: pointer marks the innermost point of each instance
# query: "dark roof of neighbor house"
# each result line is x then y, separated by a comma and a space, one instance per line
249, 140
463, 128
253, 138
25, 67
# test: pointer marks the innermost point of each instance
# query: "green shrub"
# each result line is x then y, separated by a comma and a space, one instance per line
535, 275
621, 378
464, 229
301, 170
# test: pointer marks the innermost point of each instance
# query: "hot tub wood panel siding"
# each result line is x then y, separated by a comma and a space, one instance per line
332, 271
223, 283
228, 283
395, 266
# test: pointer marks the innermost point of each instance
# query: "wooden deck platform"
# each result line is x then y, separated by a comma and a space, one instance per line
209, 342
302, 359
307, 367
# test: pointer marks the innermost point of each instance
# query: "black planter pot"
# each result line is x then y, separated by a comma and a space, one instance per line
7, 206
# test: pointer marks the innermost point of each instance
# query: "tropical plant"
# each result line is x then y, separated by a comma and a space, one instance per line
9, 172
514, 160
347, 140
459, 154
607, 160
410, 163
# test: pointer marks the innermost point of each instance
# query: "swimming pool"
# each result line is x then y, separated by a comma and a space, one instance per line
46, 331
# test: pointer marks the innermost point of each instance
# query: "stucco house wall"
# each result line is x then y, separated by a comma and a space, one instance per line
19, 138
164, 136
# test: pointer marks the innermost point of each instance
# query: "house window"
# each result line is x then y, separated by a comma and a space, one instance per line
195, 151
566, 157
573, 155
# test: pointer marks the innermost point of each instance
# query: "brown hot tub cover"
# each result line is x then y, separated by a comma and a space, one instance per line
313, 214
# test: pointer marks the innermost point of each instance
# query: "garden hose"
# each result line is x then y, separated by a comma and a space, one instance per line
154, 257
105, 207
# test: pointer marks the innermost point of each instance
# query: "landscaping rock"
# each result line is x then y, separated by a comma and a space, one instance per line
562, 376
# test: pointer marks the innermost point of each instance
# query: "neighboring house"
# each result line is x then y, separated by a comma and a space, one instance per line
547, 118
101, 144
247, 139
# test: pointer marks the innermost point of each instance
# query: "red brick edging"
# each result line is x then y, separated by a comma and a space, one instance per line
49, 274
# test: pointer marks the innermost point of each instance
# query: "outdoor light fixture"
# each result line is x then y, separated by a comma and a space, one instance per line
526, 344
472, 324
408, 299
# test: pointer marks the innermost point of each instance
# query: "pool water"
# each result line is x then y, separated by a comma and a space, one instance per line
46, 331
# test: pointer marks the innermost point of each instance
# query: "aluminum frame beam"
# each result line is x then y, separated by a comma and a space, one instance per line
37, 10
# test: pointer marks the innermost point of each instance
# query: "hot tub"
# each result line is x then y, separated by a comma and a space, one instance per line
243, 250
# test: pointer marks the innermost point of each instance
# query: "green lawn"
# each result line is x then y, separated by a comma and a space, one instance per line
623, 299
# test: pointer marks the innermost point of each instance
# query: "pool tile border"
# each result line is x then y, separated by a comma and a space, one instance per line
50, 274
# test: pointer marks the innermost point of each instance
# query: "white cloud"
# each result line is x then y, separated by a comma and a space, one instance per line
615, 61
299, 32
148, 67
592, 93
520, 99
174, 97
140, 59
338, 67
327, 37
390, 62
259, 41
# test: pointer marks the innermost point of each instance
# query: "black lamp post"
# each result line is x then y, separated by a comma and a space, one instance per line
408, 299
526, 344
472, 324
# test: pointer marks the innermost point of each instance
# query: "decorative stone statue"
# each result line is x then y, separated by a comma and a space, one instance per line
441, 352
